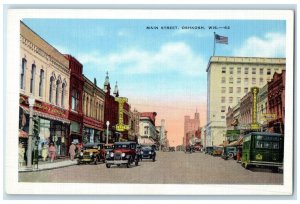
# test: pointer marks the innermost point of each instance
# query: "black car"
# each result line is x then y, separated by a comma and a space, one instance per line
147, 152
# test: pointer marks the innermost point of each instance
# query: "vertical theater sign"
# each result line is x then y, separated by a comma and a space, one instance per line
254, 124
121, 127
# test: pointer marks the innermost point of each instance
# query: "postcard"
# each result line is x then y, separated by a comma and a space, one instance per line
149, 102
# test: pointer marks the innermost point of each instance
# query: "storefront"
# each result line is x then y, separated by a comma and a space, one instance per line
54, 125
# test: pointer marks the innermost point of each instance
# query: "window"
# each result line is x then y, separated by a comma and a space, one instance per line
32, 79
245, 90
75, 100
231, 80
230, 99
238, 89
63, 94
223, 80
50, 91
253, 80
261, 71
238, 80
246, 70
239, 70
223, 109
223, 70
23, 69
238, 99
253, 70
223, 90
261, 81
230, 89
222, 117
41, 84
87, 106
231, 70
246, 81
57, 92
146, 131
268, 71
223, 100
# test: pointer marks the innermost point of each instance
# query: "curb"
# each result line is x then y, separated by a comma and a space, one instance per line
44, 169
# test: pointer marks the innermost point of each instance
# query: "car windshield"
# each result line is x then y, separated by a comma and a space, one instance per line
147, 148
121, 146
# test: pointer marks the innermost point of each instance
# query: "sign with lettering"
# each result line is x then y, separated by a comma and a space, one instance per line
254, 125
121, 127
269, 116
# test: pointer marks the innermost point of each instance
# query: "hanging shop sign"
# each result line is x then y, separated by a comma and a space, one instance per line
254, 125
121, 127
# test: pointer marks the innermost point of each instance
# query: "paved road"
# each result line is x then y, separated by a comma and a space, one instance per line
170, 168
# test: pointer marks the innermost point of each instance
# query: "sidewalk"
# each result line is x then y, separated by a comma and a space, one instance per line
47, 165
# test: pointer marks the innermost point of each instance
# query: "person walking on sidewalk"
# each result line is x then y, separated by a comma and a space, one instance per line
52, 151
72, 151
44, 152
21, 154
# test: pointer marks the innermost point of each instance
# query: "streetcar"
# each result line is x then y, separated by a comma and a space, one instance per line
263, 149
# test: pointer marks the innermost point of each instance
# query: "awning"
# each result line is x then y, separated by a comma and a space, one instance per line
23, 134
237, 143
225, 143
46, 115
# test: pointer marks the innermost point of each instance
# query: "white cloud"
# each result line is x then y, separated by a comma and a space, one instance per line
271, 45
171, 57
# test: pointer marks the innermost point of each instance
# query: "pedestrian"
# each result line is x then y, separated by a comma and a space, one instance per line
52, 152
44, 152
72, 151
21, 154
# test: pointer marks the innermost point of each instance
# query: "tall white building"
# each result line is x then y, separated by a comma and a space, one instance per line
228, 80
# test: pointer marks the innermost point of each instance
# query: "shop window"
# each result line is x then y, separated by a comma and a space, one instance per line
23, 70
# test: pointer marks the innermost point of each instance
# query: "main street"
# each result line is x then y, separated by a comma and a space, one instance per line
170, 168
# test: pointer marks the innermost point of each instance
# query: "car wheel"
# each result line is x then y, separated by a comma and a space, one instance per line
107, 165
153, 159
230, 155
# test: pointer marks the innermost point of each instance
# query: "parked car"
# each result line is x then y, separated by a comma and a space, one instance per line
90, 153
209, 150
189, 149
124, 153
230, 152
218, 151
148, 152
107, 148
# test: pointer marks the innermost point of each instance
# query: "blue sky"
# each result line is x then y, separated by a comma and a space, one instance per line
163, 67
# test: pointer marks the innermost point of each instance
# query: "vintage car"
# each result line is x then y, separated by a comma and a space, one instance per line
218, 151
124, 153
229, 152
209, 150
90, 153
148, 152
107, 148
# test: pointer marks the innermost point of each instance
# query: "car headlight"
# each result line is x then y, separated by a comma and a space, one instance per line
142, 152
150, 152
123, 154
107, 152
81, 153
111, 154
91, 154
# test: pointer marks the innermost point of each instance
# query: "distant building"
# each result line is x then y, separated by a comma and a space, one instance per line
191, 125
147, 128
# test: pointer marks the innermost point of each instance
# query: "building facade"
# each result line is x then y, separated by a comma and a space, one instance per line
75, 100
234, 76
133, 133
45, 76
276, 101
93, 112
191, 125
147, 128
262, 106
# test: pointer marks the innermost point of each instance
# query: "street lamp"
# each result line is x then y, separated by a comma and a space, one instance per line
31, 101
107, 125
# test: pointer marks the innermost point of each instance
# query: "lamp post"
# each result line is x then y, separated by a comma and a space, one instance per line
107, 125
31, 101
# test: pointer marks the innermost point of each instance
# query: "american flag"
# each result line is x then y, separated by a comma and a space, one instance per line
221, 39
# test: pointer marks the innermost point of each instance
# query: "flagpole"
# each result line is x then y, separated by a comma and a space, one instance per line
214, 43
